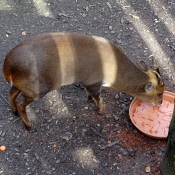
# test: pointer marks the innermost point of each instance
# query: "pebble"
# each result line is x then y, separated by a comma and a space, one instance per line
44, 150
104, 130
58, 161
115, 129
8, 32
34, 168
124, 152
116, 118
66, 136
147, 169
98, 125
110, 27
65, 109
134, 16
3, 148
36, 156
109, 5
24, 33
37, 111
84, 130
117, 96
3, 134
162, 149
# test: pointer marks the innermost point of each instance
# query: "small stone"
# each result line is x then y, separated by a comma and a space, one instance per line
84, 130
3, 148
135, 17
24, 33
11, 118
34, 168
37, 111
36, 156
116, 118
8, 32
147, 169
124, 152
109, 5
115, 129
3, 134
162, 149
50, 101
44, 150
98, 125
87, 8
74, 117
83, 15
58, 161
104, 130
110, 27
67, 136
65, 109
117, 96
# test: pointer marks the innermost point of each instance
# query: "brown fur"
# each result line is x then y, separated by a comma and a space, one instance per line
47, 61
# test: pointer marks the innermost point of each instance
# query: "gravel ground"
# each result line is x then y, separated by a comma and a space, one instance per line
69, 138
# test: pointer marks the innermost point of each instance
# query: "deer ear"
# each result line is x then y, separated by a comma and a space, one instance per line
143, 66
149, 86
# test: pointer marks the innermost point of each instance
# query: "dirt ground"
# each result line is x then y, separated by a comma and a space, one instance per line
69, 137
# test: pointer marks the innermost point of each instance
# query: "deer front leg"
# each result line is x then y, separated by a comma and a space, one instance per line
93, 92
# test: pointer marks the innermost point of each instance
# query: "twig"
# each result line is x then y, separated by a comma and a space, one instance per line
172, 47
5, 100
65, 15
16, 120
108, 145
95, 132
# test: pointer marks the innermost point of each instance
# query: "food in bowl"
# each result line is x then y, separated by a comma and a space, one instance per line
153, 120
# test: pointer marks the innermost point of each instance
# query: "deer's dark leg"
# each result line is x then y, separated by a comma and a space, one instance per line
13, 93
93, 92
21, 103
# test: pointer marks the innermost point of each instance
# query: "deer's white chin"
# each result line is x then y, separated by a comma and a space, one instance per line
156, 104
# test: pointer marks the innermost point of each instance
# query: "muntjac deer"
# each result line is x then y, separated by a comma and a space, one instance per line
47, 61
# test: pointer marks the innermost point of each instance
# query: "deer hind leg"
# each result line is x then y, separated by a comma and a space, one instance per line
21, 102
93, 92
13, 93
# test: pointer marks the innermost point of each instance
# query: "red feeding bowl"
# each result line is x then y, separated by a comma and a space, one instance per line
152, 120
